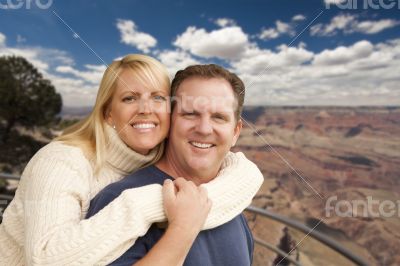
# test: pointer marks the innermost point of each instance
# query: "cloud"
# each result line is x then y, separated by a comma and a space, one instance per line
131, 36
225, 22
92, 74
176, 60
358, 74
2, 39
224, 43
298, 17
20, 39
256, 60
281, 28
347, 24
343, 55
371, 27
77, 87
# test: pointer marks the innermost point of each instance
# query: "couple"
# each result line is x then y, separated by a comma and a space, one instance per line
49, 222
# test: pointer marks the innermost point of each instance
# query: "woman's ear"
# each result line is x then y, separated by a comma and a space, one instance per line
108, 116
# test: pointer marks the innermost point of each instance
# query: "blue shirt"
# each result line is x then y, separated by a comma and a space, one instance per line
229, 244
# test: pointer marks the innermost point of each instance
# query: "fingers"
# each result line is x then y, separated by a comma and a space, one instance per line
168, 190
184, 185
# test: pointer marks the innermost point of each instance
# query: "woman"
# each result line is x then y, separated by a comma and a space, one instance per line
45, 225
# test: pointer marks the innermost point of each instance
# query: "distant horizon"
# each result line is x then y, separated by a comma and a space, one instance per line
85, 110
246, 105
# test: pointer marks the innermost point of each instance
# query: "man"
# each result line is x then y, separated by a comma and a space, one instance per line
205, 124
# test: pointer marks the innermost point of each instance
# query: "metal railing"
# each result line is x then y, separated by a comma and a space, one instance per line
325, 240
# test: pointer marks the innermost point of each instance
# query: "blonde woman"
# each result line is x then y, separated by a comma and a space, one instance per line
45, 225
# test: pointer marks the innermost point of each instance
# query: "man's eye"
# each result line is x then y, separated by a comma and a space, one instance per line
220, 117
189, 114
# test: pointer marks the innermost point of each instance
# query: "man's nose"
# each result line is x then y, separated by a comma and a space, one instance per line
204, 126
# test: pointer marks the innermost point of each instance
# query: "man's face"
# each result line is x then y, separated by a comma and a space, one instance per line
203, 127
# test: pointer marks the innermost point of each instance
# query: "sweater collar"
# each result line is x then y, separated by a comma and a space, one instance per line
123, 158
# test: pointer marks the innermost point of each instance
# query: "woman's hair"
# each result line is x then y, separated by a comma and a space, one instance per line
89, 133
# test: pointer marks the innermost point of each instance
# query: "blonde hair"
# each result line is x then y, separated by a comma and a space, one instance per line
89, 133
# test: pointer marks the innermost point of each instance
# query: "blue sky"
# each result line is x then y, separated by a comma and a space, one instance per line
288, 52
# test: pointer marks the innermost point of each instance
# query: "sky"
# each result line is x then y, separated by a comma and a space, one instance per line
287, 52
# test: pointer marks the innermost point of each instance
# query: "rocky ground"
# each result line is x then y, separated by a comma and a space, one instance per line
308, 155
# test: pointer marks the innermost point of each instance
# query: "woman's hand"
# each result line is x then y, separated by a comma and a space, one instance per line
186, 205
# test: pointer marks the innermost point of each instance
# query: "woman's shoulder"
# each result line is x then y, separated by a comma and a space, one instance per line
57, 148
61, 153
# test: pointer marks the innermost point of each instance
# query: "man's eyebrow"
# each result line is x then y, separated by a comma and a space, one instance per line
188, 110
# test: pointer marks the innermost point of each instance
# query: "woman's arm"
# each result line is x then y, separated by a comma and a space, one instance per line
186, 211
55, 233
233, 189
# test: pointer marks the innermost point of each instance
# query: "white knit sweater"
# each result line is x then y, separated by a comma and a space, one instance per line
45, 225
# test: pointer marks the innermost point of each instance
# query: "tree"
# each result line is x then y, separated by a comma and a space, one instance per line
26, 98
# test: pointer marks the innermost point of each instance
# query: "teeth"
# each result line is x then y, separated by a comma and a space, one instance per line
147, 125
201, 145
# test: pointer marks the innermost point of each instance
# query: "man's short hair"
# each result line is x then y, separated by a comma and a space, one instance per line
208, 72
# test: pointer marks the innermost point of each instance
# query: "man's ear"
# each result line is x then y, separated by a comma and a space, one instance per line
237, 130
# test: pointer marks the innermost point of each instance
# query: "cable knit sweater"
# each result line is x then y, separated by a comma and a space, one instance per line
45, 225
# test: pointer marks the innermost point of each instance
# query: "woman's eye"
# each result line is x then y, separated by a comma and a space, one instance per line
159, 98
129, 99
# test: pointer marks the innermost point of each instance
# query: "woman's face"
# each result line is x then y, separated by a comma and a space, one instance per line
140, 115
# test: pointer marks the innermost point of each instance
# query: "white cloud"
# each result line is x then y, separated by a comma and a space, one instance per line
131, 36
20, 39
268, 34
176, 60
359, 74
256, 60
225, 43
93, 74
57, 66
280, 28
371, 27
298, 17
349, 24
343, 55
32, 54
2, 39
225, 22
